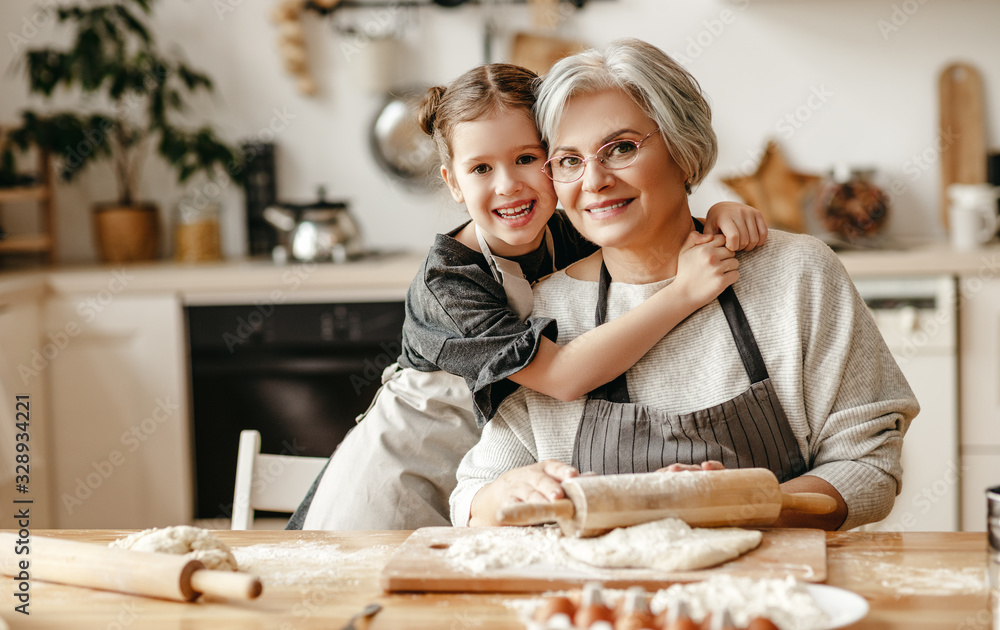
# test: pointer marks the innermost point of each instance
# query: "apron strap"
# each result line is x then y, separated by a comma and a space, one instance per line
617, 390
745, 341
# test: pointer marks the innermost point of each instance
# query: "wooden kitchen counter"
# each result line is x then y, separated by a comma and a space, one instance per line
912, 581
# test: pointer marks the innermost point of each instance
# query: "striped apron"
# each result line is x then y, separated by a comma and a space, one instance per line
751, 430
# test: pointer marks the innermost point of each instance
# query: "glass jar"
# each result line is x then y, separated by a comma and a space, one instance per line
851, 206
196, 233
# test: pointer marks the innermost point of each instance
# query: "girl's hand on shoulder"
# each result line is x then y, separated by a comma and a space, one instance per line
705, 267
743, 226
535, 483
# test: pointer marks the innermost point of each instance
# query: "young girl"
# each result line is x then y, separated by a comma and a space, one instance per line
467, 325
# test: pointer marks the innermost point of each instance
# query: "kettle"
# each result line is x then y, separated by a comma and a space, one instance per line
319, 231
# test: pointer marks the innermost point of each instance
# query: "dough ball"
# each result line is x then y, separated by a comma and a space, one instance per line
668, 545
191, 542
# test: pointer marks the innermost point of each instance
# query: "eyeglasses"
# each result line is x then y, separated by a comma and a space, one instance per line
615, 155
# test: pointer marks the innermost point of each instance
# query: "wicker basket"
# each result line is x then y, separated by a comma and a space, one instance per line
127, 233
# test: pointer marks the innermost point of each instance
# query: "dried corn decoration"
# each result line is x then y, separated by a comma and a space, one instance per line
287, 15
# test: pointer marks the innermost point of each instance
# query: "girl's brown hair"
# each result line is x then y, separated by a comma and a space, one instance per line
479, 93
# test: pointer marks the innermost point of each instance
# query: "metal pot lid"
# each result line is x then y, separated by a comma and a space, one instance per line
321, 202
399, 145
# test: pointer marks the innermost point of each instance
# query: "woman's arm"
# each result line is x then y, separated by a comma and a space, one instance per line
810, 483
705, 267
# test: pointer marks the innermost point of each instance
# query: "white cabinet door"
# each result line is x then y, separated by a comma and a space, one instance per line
120, 412
979, 332
20, 339
979, 344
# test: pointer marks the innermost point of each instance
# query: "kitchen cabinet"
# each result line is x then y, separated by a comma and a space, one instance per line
20, 339
979, 349
119, 409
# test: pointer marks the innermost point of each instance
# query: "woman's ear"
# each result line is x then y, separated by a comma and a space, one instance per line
456, 192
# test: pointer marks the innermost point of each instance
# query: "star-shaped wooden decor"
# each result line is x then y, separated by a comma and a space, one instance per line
776, 190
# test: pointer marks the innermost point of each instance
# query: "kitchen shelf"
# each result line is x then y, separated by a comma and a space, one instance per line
43, 243
24, 193
25, 243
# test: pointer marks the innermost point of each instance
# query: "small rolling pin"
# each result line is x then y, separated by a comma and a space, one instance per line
138, 572
747, 497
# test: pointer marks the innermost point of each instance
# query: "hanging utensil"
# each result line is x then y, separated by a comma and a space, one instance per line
398, 143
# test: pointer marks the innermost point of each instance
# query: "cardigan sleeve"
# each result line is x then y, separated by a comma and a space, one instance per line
499, 449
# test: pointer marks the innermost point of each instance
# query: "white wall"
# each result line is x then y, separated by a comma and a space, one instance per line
759, 63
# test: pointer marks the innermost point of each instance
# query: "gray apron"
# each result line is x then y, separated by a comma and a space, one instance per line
616, 436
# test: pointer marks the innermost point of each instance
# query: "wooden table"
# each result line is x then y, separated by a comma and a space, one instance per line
913, 581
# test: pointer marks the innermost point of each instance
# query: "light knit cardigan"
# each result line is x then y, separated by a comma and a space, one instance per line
846, 400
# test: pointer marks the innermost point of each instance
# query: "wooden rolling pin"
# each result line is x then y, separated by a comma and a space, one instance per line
747, 497
137, 572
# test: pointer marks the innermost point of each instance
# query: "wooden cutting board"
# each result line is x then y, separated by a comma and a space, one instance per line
421, 564
962, 129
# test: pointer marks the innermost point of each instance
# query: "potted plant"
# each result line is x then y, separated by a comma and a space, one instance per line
133, 94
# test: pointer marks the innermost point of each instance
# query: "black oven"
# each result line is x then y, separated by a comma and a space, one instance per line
298, 373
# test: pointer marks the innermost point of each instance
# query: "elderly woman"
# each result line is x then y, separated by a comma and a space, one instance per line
786, 372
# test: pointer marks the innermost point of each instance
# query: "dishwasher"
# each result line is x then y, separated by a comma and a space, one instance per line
918, 320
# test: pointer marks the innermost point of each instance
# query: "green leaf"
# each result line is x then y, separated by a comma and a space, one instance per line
133, 24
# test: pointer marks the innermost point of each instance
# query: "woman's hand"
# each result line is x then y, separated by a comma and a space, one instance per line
743, 226
536, 483
706, 465
704, 268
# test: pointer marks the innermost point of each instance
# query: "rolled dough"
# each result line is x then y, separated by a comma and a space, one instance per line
669, 545
193, 542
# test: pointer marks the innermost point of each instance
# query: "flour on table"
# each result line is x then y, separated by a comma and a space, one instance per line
304, 562
191, 542
787, 602
669, 544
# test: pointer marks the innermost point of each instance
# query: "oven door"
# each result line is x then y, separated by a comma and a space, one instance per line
300, 377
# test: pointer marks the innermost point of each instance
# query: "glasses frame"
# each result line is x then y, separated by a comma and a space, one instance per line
597, 156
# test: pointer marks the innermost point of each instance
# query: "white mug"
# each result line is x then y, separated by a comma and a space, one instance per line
972, 214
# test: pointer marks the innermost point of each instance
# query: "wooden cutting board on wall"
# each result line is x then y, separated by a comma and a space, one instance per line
539, 52
421, 564
962, 129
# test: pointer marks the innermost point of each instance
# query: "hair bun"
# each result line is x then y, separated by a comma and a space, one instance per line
427, 112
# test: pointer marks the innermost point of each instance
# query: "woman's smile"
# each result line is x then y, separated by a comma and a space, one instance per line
608, 209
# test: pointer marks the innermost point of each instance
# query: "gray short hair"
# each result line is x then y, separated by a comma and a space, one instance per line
664, 90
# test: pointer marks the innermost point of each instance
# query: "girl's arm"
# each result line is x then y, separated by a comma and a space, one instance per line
705, 267
600, 355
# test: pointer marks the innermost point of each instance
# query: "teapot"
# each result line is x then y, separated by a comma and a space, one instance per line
319, 231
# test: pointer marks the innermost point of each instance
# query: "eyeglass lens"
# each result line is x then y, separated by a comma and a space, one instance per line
614, 155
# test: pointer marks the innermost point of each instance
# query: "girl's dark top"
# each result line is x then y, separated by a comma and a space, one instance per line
457, 318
